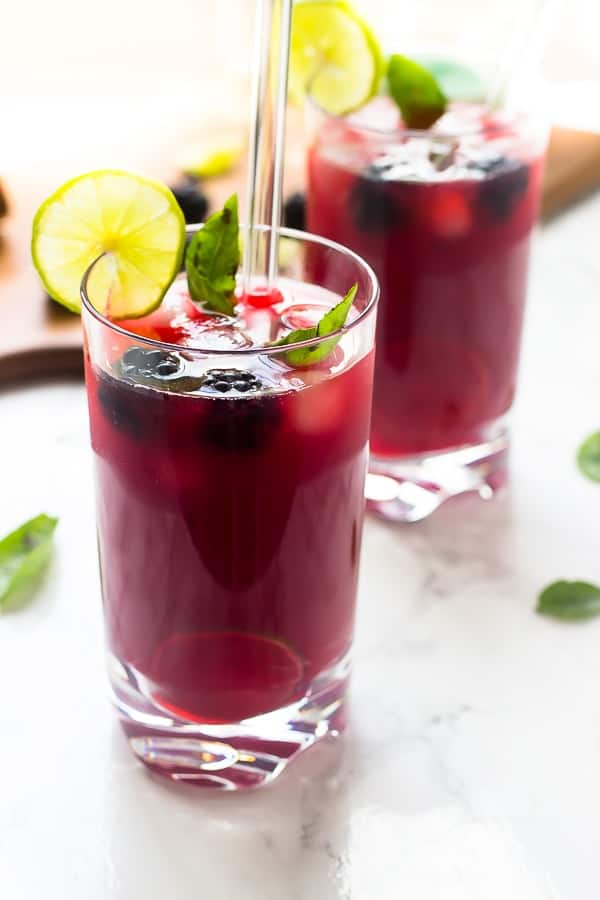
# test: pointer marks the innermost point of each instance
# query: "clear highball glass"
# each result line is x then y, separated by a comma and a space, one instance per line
445, 216
230, 499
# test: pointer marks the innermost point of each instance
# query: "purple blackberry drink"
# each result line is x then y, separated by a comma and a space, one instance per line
230, 491
445, 218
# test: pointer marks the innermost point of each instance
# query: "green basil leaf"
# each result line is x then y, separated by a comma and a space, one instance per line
588, 457
332, 321
24, 554
570, 601
416, 91
212, 260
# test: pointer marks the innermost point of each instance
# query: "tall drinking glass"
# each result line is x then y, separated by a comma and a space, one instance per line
445, 217
230, 495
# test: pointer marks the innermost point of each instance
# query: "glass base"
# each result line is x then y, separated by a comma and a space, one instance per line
230, 756
409, 489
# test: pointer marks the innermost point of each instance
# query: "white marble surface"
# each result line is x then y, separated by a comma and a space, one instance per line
472, 768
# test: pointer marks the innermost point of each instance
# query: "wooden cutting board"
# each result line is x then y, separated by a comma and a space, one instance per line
38, 339
572, 169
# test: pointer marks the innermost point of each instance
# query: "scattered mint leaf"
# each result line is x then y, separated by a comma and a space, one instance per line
574, 601
570, 601
588, 457
416, 91
23, 556
456, 81
212, 259
330, 322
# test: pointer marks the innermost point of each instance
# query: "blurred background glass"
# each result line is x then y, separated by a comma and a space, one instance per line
120, 82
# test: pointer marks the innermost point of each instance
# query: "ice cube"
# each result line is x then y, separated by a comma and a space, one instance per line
302, 315
319, 408
218, 333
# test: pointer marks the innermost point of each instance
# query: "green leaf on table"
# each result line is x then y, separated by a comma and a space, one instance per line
212, 260
457, 82
416, 91
588, 457
570, 601
330, 322
24, 554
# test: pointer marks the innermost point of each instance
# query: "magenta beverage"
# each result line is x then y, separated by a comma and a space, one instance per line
230, 495
445, 218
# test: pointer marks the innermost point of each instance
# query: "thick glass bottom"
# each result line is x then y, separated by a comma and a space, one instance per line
408, 489
230, 756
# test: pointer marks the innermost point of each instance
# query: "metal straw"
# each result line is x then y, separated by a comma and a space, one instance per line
267, 139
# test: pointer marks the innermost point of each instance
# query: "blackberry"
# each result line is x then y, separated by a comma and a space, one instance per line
121, 408
372, 206
500, 193
141, 365
157, 369
191, 199
241, 425
226, 380
489, 165
294, 211
167, 367
132, 359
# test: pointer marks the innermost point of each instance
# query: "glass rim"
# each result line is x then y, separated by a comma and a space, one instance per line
294, 234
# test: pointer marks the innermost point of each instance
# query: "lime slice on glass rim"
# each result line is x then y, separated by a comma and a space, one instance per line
334, 57
134, 221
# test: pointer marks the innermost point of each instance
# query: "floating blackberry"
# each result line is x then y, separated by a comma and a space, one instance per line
241, 425
132, 359
121, 407
372, 206
140, 364
490, 165
167, 367
226, 380
500, 193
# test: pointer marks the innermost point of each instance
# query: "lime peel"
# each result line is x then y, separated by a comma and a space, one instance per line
334, 57
134, 220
